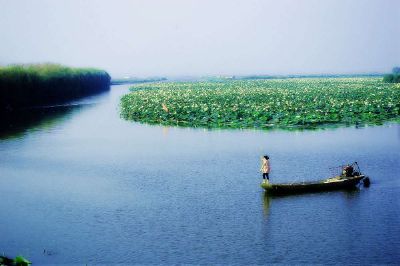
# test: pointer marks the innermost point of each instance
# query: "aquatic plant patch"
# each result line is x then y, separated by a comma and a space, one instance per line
282, 103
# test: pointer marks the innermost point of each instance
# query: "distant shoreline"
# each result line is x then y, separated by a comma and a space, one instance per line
135, 80
193, 78
189, 78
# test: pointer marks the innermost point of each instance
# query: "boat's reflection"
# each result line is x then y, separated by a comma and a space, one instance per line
268, 199
266, 203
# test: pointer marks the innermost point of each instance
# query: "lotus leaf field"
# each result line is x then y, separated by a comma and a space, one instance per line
273, 103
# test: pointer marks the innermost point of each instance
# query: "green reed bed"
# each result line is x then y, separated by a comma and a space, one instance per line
282, 103
24, 86
394, 77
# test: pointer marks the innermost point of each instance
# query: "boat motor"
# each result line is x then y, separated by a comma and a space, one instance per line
366, 182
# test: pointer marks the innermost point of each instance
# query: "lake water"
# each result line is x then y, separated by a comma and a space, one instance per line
89, 187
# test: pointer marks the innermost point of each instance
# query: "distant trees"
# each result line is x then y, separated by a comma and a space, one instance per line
394, 77
24, 86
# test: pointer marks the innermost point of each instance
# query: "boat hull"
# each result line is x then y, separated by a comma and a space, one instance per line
305, 187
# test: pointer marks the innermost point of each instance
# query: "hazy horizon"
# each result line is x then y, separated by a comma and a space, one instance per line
204, 38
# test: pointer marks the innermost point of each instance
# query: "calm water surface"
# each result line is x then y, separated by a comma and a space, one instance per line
89, 187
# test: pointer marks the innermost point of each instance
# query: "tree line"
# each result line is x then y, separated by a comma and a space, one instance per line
394, 77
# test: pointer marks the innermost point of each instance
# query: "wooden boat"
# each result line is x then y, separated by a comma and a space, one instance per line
334, 183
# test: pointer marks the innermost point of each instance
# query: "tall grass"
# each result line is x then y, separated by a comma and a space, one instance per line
394, 77
24, 86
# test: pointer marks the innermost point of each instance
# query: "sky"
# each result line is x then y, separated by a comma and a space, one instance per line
204, 37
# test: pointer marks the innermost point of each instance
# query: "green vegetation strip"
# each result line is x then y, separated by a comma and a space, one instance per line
394, 77
274, 103
24, 86
18, 261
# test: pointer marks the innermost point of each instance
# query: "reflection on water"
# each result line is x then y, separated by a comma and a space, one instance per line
350, 193
87, 183
16, 124
266, 203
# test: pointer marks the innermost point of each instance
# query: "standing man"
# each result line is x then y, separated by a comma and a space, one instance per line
265, 168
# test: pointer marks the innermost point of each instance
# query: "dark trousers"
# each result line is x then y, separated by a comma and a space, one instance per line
266, 175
